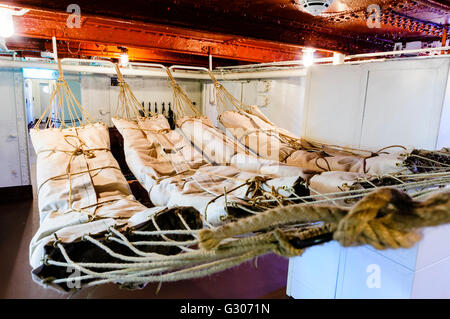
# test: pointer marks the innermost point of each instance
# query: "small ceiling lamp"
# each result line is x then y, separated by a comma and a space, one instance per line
6, 23
338, 58
6, 20
314, 7
308, 57
124, 58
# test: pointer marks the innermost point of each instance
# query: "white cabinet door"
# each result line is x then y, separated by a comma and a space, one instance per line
403, 103
14, 170
334, 104
373, 105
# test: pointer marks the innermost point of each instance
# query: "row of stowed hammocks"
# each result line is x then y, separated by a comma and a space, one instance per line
198, 178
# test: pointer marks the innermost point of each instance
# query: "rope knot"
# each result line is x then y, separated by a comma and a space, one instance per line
283, 247
375, 220
79, 151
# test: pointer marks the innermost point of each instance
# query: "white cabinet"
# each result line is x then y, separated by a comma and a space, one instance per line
333, 104
373, 105
14, 168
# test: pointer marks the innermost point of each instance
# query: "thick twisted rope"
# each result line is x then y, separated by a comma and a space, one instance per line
385, 218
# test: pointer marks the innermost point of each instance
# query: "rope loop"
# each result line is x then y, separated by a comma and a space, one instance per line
283, 247
373, 221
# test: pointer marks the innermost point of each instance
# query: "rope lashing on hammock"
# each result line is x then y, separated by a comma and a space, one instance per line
128, 105
385, 218
65, 100
181, 103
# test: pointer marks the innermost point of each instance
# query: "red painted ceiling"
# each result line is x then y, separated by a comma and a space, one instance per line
232, 30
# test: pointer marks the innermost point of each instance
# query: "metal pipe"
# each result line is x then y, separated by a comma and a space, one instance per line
55, 49
324, 60
281, 63
72, 60
375, 54
186, 67
149, 65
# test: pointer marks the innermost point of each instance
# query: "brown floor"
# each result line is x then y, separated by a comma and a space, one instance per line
19, 221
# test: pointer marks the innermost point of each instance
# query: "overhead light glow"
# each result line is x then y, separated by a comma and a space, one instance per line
338, 58
124, 59
43, 74
314, 7
308, 57
6, 23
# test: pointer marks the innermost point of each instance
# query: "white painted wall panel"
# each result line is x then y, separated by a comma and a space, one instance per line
403, 104
368, 274
444, 127
96, 97
305, 270
286, 101
378, 104
431, 283
14, 169
431, 247
334, 104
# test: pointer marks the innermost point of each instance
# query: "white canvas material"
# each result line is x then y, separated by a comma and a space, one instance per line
377, 165
256, 134
215, 145
94, 197
184, 178
260, 135
333, 182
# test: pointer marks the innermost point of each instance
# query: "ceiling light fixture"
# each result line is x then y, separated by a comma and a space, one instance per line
124, 59
314, 7
6, 20
308, 57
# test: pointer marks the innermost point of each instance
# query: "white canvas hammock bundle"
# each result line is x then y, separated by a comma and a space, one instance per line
81, 190
176, 173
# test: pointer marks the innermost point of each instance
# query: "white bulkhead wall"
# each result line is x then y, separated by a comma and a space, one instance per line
373, 105
281, 100
14, 168
100, 98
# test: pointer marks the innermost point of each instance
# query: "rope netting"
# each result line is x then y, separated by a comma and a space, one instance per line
384, 218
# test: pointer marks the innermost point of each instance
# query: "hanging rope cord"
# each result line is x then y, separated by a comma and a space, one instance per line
128, 106
65, 109
181, 103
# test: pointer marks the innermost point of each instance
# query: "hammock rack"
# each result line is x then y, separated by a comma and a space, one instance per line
286, 229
